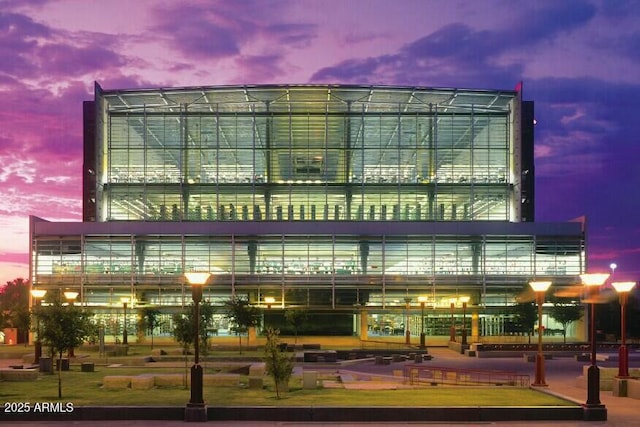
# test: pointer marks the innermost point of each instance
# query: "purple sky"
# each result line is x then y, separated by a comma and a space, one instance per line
579, 60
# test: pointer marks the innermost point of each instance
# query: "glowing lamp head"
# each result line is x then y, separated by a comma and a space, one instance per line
622, 287
38, 293
422, 299
594, 279
464, 299
196, 278
540, 286
70, 295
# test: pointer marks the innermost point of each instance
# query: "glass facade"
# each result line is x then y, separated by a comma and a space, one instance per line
341, 199
307, 153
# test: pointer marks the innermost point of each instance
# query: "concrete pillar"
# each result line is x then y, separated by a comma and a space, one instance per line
364, 325
475, 326
251, 336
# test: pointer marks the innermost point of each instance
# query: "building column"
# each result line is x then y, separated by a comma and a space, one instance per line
252, 251
364, 325
251, 335
364, 255
475, 326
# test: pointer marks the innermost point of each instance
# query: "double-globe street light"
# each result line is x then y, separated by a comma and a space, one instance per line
196, 409
593, 281
623, 289
540, 288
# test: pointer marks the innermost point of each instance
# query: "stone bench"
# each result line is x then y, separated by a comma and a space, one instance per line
633, 388
18, 374
113, 382
222, 379
142, 382
87, 367
257, 369
148, 381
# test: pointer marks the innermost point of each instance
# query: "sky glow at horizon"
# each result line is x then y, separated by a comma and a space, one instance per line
578, 60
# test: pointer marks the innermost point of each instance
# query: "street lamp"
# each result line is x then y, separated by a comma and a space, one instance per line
593, 374
269, 301
539, 288
464, 300
623, 289
422, 301
196, 409
452, 328
71, 297
407, 328
37, 295
124, 301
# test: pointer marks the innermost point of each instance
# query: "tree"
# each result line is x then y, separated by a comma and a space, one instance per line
63, 327
150, 320
184, 328
184, 334
278, 363
565, 311
243, 316
14, 307
526, 316
295, 318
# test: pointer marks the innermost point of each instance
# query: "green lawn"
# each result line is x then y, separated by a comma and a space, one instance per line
84, 389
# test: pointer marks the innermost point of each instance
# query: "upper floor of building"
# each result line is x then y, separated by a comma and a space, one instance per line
309, 152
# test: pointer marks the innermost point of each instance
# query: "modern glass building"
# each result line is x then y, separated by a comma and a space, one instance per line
349, 202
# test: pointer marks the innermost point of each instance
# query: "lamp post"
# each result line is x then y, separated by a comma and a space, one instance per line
593, 374
452, 328
37, 295
623, 289
407, 326
124, 301
422, 301
464, 301
196, 409
540, 288
269, 301
71, 297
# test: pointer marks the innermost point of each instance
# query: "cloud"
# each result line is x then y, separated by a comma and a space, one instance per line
209, 30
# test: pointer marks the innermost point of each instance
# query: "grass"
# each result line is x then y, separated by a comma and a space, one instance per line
84, 389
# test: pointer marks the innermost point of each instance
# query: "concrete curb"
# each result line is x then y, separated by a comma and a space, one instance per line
315, 414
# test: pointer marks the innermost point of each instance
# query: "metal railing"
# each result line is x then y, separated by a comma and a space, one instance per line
416, 375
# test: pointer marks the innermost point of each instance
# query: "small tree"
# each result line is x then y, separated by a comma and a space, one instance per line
526, 317
243, 316
278, 363
184, 334
150, 320
296, 318
184, 328
565, 311
63, 328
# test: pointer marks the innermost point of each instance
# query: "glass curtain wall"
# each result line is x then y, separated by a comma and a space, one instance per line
315, 164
